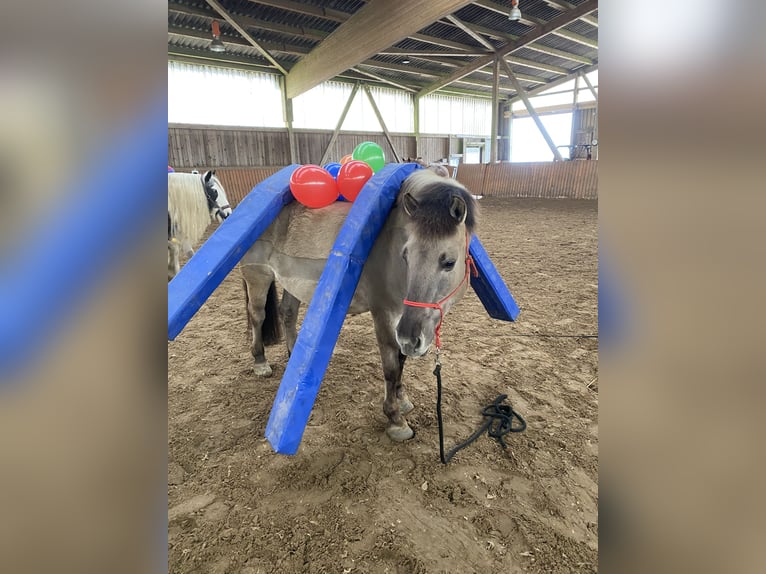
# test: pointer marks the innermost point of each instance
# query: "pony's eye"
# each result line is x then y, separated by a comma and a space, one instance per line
448, 265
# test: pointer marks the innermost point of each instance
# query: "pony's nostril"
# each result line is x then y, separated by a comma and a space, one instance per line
417, 342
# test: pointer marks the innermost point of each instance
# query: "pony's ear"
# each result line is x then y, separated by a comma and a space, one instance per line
208, 175
458, 209
409, 203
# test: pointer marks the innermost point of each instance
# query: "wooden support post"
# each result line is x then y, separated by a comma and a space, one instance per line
590, 86
523, 95
343, 114
287, 117
575, 119
416, 111
382, 123
495, 110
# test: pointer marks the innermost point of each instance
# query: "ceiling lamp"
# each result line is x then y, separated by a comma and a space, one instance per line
216, 45
515, 12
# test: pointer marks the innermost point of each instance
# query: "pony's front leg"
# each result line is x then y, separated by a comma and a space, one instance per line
395, 403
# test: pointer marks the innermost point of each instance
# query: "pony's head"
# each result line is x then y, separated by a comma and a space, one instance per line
441, 215
217, 201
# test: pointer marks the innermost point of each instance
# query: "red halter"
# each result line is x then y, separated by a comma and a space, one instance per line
469, 264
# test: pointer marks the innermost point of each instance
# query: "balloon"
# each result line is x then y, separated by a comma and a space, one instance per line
352, 177
313, 186
346, 159
371, 154
171, 170
333, 169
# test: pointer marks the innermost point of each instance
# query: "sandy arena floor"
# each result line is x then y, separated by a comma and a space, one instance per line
352, 501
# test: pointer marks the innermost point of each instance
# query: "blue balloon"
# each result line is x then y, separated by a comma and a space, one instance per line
333, 168
341, 198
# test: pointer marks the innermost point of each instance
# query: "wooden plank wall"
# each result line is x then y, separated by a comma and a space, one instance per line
197, 146
567, 179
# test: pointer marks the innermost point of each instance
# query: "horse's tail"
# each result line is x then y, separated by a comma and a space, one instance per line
271, 328
271, 331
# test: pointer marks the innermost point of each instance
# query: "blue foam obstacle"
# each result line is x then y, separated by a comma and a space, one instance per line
208, 267
489, 286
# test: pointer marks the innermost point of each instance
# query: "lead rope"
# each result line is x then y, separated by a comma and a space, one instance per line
498, 423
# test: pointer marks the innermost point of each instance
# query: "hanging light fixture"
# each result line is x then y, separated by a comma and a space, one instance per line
515, 12
216, 45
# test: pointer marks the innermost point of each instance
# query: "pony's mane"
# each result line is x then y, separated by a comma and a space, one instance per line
187, 205
434, 193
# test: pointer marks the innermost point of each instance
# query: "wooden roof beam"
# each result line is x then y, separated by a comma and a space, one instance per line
560, 54
577, 38
557, 82
590, 20
536, 65
374, 27
558, 22
382, 79
467, 29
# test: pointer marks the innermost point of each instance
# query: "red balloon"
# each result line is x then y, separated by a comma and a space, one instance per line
352, 177
313, 186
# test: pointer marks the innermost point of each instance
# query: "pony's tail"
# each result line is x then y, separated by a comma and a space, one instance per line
271, 330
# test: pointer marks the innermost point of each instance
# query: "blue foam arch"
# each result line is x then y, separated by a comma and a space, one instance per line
489, 286
225, 247
327, 310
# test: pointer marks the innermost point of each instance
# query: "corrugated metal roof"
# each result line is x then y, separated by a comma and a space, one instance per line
290, 32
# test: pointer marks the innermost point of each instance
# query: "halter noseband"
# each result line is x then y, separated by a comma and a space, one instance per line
469, 264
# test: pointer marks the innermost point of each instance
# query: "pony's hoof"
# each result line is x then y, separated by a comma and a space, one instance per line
400, 433
405, 405
262, 370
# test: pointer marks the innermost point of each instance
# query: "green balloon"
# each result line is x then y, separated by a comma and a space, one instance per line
371, 154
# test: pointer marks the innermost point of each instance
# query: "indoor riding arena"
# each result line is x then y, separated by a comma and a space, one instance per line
507, 104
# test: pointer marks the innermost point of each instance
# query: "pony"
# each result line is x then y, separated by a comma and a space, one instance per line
194, 201
416, 272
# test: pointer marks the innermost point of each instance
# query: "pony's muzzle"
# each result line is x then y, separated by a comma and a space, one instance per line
410, 337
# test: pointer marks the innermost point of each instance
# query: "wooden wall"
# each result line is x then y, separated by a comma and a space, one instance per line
201, 146
571, 179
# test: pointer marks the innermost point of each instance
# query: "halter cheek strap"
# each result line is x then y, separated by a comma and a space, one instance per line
469, 265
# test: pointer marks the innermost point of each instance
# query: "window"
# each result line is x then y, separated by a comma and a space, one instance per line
219, 96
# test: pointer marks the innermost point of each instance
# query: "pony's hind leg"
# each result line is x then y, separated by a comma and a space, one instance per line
395, 403
288, 310
262, 315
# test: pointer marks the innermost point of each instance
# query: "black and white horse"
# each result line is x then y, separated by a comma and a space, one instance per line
194, 201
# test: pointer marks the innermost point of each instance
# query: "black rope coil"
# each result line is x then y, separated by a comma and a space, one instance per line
498, 423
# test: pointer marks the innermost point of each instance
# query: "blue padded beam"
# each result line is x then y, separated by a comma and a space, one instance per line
226, 246
489, 286
327, 310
